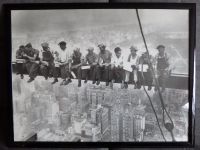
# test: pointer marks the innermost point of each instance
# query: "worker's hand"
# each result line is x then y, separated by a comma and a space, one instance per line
25, 55
37, 62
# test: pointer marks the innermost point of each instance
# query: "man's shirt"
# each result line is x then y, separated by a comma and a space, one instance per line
162, 62
91, 58
19, 54
105, 57
63, 55
134, 60
47, 56
117, 61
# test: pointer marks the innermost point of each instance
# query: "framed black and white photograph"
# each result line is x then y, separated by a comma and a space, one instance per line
101, 75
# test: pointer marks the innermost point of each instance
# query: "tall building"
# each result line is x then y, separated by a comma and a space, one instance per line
104, 120
65, 120
138, 127
116, 124
128, 121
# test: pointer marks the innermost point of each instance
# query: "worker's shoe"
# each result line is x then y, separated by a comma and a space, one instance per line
30, 80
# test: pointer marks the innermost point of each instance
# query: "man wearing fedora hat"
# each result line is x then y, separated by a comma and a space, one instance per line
89, 60
162, 66
20, 65
103, 66
46, 61
133, 59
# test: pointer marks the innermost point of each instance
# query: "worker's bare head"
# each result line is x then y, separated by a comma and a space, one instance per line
118, 51
63, 45
161, 49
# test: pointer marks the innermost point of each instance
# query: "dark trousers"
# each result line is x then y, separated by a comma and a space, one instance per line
46, 71
145, 79
116, 74
64, 71
87, 73
56, 72
103, 72
33, 69
20, 68
162, 77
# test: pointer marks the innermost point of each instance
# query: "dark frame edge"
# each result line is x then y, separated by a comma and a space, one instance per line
192, 41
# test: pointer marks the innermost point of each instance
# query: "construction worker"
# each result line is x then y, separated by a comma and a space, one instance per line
64, 61
145, 76
32, 61
46, 61
162, 66
104, 60
117, 72
90, 61
19, 64
133, 59
77, 61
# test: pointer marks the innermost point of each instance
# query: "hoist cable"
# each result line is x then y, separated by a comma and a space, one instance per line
152, 107
168, 126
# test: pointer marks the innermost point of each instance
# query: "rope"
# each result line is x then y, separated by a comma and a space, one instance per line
153, 108
168, 126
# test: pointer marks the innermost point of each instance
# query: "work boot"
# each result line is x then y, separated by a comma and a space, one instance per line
67, 82
93, 82
111, 84
79, 83
22, 76
149, 88
55, 80
30, 80
122, 85
107, 83
63, 82
98, 82
85, 81
126, 85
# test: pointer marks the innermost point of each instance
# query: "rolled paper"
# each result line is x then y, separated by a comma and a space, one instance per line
85, 67
143, 67
127, 67
20, 60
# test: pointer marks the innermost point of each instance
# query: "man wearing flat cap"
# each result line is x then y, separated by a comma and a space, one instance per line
162, 66
77, 61
46, 61
32, 61
19, 64
90, 60
63, 58
102, 69
133, 59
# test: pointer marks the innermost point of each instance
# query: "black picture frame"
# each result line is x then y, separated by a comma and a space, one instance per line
40, 6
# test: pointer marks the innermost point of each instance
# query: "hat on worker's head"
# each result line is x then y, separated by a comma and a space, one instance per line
62, 43
90, 49
29, 45
133, 48
76, 49
102, 45
21, 47
45, 44
160, 46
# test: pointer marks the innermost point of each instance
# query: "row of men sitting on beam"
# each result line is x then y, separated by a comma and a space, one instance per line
113, 67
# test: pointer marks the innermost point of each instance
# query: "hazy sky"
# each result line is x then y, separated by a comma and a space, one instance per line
55, 21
